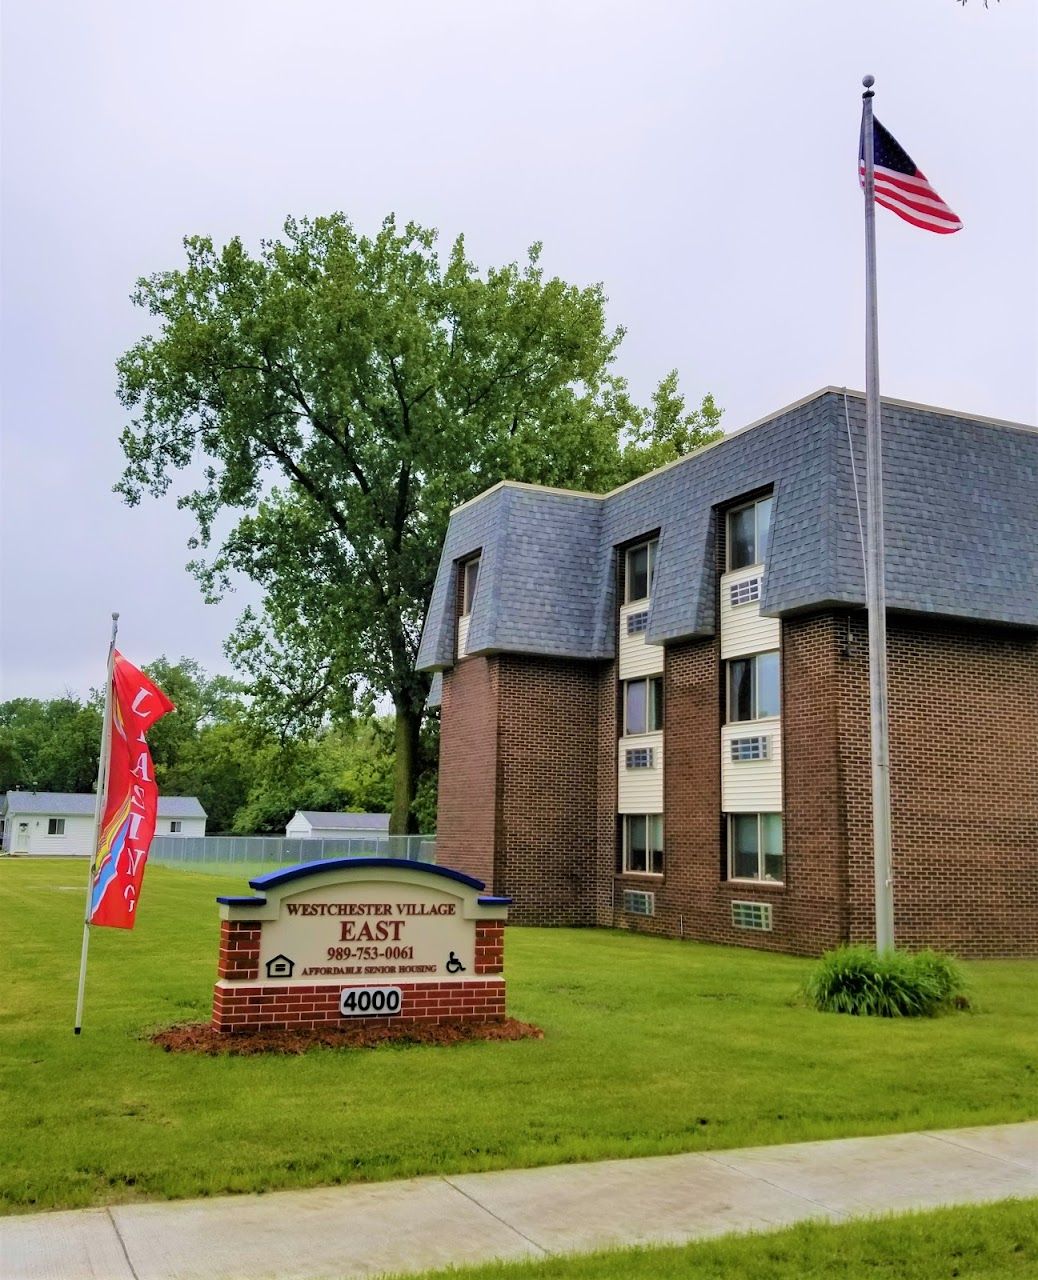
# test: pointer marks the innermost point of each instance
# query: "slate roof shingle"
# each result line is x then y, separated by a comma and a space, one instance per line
961, 498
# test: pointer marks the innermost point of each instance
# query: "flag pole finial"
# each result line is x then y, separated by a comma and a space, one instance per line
868, 82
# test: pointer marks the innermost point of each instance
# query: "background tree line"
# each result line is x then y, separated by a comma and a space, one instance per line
248, 778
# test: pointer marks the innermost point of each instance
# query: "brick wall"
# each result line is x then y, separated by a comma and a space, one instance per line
240, 1008
239, 949
964, 786
813, 904
549, 758
693, 897
528, 789
467, 813
687, 893
523, 745
490, 946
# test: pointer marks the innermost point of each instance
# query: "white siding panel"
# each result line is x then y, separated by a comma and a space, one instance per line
752, 786
743, 630
79, 833
640, 790
78, 837
188, 827
636, 658
463, 634
298, 828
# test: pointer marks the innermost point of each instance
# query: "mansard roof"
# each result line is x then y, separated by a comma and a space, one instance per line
961, 496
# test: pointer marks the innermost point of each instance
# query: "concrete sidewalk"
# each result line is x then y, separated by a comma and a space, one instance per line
422, 1223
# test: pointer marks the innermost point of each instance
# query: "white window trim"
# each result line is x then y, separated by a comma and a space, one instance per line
467, 600
649, 699
755, 880
744, 506
56, 834
652, 545
652, 875
751, 657
176, 826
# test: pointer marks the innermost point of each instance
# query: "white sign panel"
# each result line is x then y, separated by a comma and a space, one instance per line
362, 931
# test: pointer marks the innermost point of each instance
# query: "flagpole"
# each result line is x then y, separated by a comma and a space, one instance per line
99, 800
875, 576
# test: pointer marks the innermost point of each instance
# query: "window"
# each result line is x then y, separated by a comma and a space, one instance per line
753, 687
175, 826
751, 915
755, 847
639, 903
638, 758
55, 826
643, 843
470, 574
643, 705
751, 748
638, 623
748, 530
746, 591
639, 568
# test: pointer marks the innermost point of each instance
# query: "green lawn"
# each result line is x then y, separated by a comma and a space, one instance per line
988, 1242
650, 1046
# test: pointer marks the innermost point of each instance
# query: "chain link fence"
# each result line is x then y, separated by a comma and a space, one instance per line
264, 853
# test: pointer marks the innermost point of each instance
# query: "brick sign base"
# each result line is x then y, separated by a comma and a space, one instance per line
308, 1008
305, 911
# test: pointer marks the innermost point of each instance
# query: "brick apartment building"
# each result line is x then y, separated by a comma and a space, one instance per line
655, 708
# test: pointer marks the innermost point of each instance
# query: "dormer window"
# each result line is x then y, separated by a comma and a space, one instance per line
748, 530
639, 568
470, 572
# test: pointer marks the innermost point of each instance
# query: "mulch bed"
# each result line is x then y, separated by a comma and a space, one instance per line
199, 1037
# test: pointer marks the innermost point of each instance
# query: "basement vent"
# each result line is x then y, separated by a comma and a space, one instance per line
639, 758
637, 903
752, 915
637, 623
745, 592
751, 748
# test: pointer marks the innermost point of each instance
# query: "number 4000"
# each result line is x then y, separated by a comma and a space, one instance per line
360, 1002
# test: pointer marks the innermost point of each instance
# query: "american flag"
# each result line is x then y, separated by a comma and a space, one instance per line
902, 188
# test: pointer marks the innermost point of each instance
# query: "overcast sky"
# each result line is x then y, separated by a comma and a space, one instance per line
698, 158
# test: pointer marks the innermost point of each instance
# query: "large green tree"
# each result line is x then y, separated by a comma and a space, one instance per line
49, 745
201, 700
339, 393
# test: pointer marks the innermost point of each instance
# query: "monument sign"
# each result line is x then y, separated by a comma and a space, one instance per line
360, 938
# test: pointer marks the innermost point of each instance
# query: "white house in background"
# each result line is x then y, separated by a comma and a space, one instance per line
310, 825
42, 822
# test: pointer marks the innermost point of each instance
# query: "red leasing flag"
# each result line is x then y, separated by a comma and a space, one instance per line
131, 798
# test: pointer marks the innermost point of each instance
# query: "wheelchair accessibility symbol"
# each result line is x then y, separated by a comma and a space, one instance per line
454, 965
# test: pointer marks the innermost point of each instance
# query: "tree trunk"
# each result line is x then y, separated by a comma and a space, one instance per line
405, 767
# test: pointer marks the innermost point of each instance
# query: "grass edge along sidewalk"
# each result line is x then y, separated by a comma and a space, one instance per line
996, 1241
652, 1046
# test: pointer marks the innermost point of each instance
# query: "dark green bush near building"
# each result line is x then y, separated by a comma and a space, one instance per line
859, 981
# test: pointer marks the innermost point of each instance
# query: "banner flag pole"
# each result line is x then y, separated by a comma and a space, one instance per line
875, 576
102, 781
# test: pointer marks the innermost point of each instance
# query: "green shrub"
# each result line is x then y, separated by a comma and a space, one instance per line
899, 984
